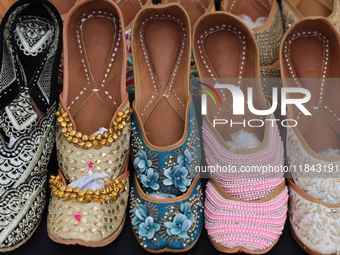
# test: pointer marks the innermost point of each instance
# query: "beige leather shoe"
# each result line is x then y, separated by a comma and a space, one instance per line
294, 10
94, 97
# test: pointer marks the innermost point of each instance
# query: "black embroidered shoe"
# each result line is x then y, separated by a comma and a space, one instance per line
30, 49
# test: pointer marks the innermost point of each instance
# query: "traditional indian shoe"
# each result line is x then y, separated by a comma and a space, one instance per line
89, 195
310, 49
294, 10
244, 212
166, 197
30, 38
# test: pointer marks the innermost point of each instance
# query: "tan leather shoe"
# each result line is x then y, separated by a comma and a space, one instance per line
309, 58
4, 6
195, 9
269, 34
294, 10
93, 97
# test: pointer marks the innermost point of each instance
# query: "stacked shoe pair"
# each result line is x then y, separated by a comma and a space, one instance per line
166, 197
30, 38
89, 194
310, 59
244, 211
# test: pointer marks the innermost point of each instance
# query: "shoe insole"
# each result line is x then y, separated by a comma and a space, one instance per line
308, 55
95, 65
252, 8
224, 53
164, 126
313, 8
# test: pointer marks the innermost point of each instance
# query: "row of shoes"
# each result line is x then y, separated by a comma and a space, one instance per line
95, 128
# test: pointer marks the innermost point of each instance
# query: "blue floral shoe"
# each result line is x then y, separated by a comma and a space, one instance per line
166, 197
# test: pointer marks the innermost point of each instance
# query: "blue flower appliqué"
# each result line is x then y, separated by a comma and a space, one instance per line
142, 163
148, 228
177, 177
186, 210
179, 226
141, 213
185, 159
150, 179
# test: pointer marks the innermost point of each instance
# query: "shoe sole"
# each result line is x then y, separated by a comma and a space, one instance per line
221, 248
23, 241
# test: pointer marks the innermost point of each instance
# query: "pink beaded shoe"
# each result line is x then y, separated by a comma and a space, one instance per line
244, 212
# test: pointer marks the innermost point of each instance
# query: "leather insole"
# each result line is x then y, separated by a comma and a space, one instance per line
223, 51
164, 126
308, 59
252, 8
313, 8
63, 6
95, 66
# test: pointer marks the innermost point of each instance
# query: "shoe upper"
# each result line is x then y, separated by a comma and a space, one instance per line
30, 52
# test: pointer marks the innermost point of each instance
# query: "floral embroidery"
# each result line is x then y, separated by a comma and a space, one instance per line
150, 179
185, 159
186, 210
148, 228
141, 213
177, 177
142, 163
179, 226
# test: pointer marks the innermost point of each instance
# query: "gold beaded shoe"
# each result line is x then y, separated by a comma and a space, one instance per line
268, 35
294, 10
93, 129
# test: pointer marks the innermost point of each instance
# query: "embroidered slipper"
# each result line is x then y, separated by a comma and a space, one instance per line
224, 46
30, 38
165, 147
93, 130
312, 147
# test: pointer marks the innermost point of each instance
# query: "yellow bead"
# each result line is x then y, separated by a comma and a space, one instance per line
89, 192
60, 119
115, 136
70, 124
120, 114
111, 130
119, 119
99, 137
124, 123
92, 137
79, 135
64, 130
81, 144
127, 112
115, 123
63, 124
73, 196
85, 138
81, 193
75, 140
106, 134
97, 192
103, 142
63, 188
120, 133
57, 114
69, 189
109, 140
120, 126
128, 119
61, 110
72, 133
69, 139
76, 190
64, 115
88, 145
